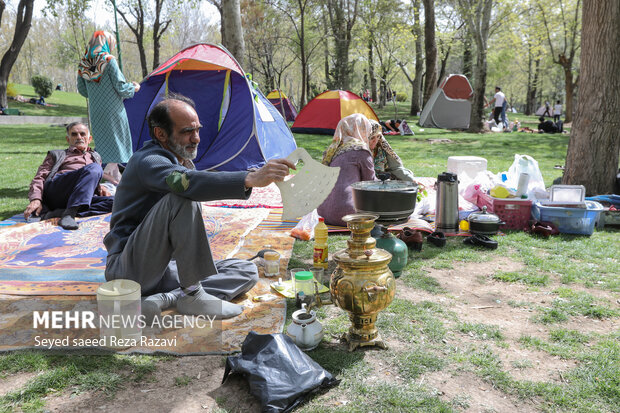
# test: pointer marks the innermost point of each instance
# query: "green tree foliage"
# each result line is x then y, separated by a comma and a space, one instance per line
562, 23
43, 86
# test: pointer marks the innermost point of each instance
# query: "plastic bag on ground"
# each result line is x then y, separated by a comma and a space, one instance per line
278, 372
470, 188
526, 164
304, 230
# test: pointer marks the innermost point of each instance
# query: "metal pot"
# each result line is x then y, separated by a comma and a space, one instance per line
393, 201
484, 223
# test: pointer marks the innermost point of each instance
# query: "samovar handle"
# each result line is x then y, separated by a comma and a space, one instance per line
372, 291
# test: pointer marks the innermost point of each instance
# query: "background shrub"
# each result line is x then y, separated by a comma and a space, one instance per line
43, 86
10, 90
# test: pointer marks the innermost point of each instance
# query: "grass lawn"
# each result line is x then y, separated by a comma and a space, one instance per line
531, 326
65, 103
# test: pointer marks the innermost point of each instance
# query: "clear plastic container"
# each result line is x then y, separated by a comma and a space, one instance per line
272, 264
567, 196
304, 285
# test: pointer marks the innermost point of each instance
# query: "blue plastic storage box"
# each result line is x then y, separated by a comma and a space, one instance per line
569, 220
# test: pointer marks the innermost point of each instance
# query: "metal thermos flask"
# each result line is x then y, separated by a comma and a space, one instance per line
447, 208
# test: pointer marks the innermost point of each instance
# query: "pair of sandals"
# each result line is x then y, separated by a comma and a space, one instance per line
414, 239
479, 240
437, 238
543, 228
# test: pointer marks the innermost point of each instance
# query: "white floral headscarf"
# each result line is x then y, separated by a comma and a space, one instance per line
352, 132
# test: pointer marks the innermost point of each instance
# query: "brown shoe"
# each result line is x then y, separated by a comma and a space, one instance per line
412, 238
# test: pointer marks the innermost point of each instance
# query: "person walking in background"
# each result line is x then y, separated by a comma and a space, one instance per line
503, 116
101, 81
498, 99
557, 111
547, 109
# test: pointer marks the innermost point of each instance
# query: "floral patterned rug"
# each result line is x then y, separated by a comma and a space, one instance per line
43, 259
264, 312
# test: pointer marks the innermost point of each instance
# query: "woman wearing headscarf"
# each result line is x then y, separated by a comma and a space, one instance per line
387, 163
101, 81
350, 151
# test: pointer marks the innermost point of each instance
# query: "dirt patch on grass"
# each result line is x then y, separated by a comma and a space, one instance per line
14, 382
610, 298
533, 365
472, 394
476, 298
188, 384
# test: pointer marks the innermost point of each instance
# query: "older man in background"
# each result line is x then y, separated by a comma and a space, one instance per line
67, 182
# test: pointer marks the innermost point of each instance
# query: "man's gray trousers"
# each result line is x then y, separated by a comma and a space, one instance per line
170, 249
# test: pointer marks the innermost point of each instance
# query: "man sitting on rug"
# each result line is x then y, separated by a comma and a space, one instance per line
157, 235
67, 182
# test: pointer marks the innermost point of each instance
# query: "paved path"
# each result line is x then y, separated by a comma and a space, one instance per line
56, 120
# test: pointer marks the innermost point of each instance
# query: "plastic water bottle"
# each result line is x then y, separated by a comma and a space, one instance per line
320, 244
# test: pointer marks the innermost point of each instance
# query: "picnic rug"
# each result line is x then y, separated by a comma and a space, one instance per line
224, 337
44, 259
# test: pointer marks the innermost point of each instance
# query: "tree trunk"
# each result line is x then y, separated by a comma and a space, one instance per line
480, 81
142, 53
342, 17
442, 67
231, 21
22, 27
371, 72
342, 63
478, 18
430, 47
530, 99
468, 58
419, 62
138, 31
594, 146
528, 93
328, 76
568, 85
159, 29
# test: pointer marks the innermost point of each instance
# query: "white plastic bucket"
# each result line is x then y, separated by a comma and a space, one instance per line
118, 303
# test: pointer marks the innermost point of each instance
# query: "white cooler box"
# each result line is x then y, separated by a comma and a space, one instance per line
471, 165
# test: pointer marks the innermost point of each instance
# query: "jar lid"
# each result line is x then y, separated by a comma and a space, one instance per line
119, 288
303, 275
271, 256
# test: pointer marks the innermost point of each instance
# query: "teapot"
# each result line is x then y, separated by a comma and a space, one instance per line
305, 330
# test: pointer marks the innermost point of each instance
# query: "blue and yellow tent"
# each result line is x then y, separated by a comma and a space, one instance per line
241, 128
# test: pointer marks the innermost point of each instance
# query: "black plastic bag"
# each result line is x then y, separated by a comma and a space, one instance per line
280, 375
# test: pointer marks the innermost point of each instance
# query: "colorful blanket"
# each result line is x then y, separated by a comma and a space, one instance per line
263, 317
266, 197
43, 259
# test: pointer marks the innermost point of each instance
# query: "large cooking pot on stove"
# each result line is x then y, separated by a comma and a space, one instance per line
484, 223
393, 201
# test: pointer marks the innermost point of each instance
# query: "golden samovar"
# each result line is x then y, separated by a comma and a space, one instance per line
362, 283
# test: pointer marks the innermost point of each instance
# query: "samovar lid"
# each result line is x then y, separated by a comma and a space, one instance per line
375, 257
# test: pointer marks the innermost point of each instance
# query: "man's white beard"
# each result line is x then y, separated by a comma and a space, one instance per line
181, 151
